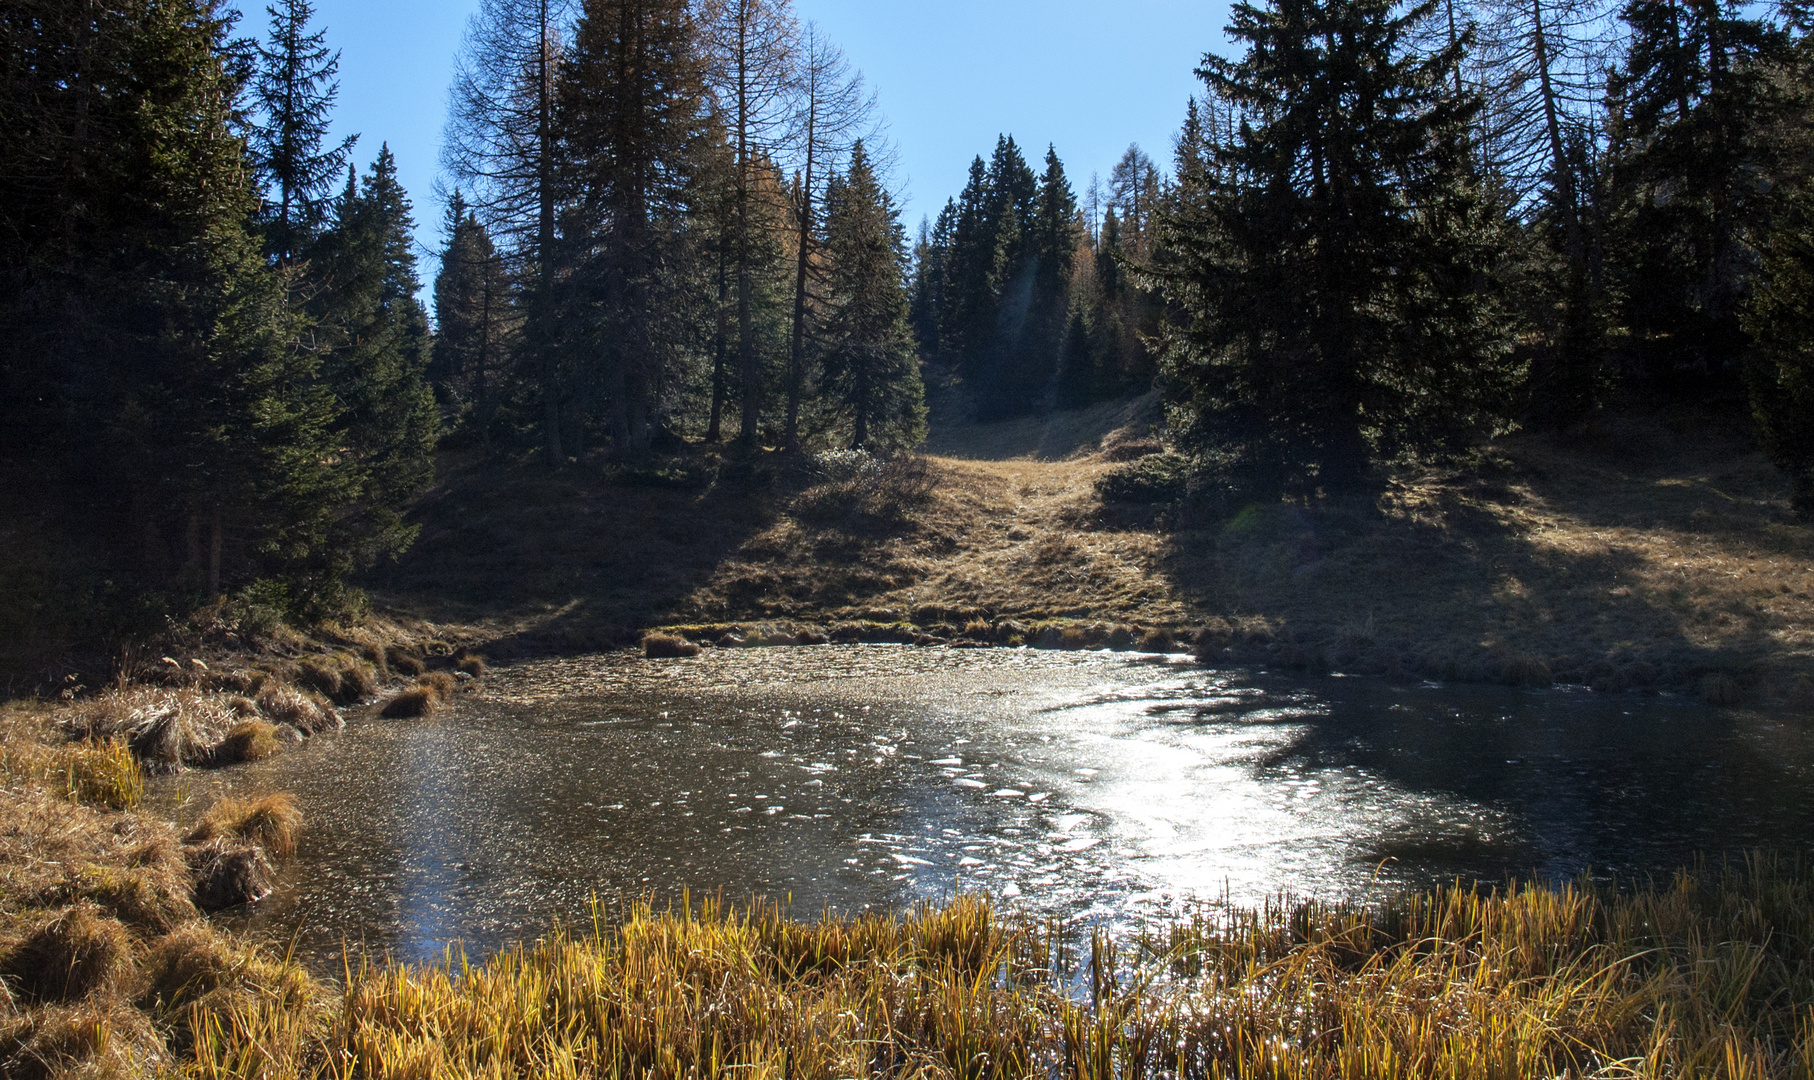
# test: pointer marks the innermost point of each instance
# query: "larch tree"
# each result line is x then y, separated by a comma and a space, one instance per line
502, 148
833, 112
753, 45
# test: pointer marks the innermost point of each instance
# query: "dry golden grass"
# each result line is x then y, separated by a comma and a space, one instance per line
1644, 555
105, 964
274, 823
417, 701
1705, 976
667, 647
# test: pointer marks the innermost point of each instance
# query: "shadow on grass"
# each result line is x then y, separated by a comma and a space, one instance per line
587, 558
1605, 576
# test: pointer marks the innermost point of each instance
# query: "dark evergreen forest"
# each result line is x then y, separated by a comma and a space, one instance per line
1384, 231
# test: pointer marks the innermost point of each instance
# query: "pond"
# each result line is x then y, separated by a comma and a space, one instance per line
1100, 785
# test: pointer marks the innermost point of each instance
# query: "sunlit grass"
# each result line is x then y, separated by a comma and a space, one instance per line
1708, 975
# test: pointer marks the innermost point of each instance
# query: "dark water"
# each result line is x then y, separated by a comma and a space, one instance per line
1088, 784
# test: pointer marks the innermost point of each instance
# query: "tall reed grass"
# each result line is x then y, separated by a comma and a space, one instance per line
1708, 975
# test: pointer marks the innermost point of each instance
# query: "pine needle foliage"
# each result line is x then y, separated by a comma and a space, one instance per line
1338, 269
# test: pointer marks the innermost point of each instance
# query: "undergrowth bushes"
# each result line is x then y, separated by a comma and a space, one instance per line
852, 484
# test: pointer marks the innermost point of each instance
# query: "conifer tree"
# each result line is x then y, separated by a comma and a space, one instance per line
1780, 321
753, 48
502, 146
473, 319
1052, 245
870, 364
149, 374
376, 362
832, 112
634, 122
1700, 101
1339, 278
293, 95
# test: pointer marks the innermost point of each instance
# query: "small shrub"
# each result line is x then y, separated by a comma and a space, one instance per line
105, 774
854, 484
1525, 671
417, 701
254, 740
439, 683
273, 823
1123, 638
1130, 449
1160, 478
77, 952
472, 664
667, 647
404, 662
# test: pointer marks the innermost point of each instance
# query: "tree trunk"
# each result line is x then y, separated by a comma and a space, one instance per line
746, 344
714, 431
215, 542
551, 403
796, 357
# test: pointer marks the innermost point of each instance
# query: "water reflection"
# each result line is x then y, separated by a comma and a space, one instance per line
1096, 784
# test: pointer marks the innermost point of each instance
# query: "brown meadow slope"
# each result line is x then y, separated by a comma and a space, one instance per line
1642, 554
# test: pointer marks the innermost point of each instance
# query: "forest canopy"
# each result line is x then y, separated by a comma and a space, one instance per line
1385, 231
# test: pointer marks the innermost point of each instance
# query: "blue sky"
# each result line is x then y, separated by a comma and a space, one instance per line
1090, 76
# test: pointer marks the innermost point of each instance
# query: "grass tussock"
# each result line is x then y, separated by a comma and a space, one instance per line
252, 740
471, 664
441, 684
1708, 975
274, 823
69, 955
404, 662
106, 967
417, 701
307, 714
667, 647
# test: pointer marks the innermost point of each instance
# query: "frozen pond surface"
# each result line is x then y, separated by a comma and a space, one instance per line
1103, 785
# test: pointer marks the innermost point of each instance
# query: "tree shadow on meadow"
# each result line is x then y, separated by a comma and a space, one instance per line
1663, 577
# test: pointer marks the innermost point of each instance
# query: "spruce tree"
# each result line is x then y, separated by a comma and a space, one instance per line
1695, 159
1780, 321
870, 364
634, 122
376, 361
148, 375
473, 320
293, 96
1338, 277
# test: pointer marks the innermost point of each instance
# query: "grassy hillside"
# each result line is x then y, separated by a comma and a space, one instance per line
1641, 554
